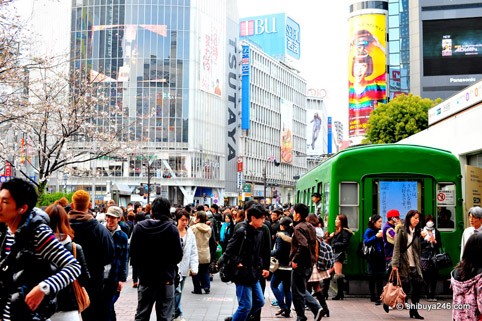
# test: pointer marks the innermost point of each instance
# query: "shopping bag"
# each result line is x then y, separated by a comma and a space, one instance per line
392, 294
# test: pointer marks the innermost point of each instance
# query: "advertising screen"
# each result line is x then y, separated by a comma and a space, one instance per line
452, 46
366, 69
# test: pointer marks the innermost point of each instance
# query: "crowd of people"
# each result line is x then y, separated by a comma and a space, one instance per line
38, 268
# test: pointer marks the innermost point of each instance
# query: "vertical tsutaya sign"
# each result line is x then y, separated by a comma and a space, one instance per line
286, 135
232, 105
245, 90
367, 69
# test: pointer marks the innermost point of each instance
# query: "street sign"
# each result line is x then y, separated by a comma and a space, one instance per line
445, 197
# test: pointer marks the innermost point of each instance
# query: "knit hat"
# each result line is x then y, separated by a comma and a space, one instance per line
80, 200
393, 213
429, 225
115, 211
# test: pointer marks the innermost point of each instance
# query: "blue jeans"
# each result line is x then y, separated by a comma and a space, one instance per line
111, 300
250, 299
177, 298
301, 296
162, 295
281, 287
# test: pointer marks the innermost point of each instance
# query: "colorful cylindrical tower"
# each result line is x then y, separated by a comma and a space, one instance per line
367, 61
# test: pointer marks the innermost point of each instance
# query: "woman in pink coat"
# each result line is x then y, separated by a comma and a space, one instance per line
466, 282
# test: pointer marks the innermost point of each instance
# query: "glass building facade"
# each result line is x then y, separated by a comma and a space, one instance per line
162, 65
140, 53
398, 47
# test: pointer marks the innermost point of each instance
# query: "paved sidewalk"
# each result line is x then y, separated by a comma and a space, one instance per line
221, 302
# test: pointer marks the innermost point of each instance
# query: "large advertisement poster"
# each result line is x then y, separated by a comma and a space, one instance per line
314, 141
286, 110
212, 57
367, 69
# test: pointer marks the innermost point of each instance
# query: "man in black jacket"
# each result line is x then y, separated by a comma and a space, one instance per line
303, 257
245, 248
155, 252
98, 248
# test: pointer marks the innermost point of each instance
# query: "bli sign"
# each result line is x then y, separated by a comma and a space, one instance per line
258, 26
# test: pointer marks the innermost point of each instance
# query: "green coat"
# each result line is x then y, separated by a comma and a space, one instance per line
400, 254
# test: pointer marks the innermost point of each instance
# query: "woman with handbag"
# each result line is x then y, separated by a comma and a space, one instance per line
466, 281
376, 260
406, 258
282, 276
339, 241
431, 243
67, 306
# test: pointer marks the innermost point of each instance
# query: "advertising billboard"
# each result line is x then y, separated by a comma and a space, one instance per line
367, 69
286, 137
314, 142
212, 57
277, 34
452, 46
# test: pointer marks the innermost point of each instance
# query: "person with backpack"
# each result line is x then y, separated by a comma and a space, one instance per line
318, 275
28, 284
245, 251
303, 258
282, 276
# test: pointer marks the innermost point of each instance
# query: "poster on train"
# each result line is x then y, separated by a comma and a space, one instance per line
399, 195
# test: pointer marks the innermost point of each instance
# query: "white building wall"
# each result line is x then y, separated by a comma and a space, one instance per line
273, 83
459, 134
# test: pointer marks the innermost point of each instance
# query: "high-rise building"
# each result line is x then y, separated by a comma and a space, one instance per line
170, 67
274, 127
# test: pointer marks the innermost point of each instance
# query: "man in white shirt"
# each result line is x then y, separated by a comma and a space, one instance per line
475, 219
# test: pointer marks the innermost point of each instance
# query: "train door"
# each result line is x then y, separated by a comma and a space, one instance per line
403, 193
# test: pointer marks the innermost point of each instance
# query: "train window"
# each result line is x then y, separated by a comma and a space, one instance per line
349, 203
445, 206
326, 203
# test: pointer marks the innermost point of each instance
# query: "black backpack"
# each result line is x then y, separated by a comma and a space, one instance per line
227, 265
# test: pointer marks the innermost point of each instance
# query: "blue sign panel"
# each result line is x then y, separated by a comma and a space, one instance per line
330, 136
245, 100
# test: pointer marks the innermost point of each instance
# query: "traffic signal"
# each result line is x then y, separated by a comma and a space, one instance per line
141, 189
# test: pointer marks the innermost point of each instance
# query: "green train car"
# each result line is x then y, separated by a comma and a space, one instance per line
372, 179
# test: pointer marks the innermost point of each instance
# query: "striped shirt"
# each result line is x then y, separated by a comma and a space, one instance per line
48, 248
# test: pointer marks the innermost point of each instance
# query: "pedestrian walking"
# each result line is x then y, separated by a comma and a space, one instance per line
98, 248
303, 258
157, 237
245, 249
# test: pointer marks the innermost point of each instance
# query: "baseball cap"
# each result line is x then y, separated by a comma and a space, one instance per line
115, 211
